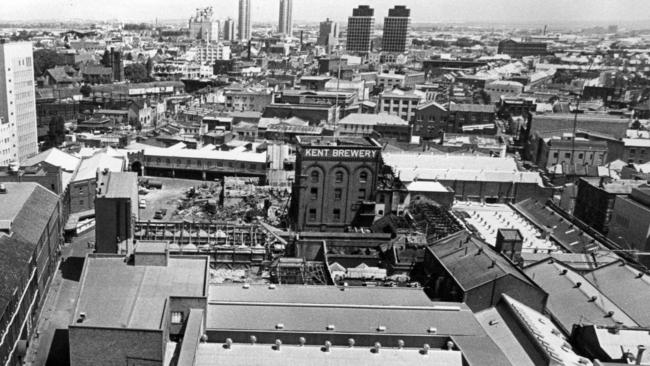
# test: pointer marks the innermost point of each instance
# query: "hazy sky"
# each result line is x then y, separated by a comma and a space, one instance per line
534, 11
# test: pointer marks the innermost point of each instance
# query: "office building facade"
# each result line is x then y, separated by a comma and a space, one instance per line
395, 29
360, 26
228, 30
18, 135
285, 23
328, 34
244, 25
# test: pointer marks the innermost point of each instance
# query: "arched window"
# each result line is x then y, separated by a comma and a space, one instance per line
314, 176
363, 177
338, 177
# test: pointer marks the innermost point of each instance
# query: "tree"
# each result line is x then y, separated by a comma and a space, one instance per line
86, 90
56, 131
46, 59
137, 73
106, 59
149, 66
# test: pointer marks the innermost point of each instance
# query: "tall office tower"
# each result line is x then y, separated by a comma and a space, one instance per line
329, 34
395, 29
285, 24
18, 136
229, 30
244, 20
360, 29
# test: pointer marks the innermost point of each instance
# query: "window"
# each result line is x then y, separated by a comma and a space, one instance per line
337, 214
338, 177
363, 177
580, 156
338, 193
362, 193
382, 199
314, 193
177, 317
567, 155
81, 202
314, 176
555, 154
312, 214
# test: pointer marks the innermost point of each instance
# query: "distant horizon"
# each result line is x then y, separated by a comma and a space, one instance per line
521, 12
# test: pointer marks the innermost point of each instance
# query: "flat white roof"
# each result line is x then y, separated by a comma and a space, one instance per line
423, 186
641, 142
251, 157
426, 166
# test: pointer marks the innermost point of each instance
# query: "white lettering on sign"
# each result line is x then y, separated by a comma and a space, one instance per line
341, 153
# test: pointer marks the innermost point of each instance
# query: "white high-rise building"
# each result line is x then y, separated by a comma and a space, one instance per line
18, 134
244, 25
202, 25
285, 23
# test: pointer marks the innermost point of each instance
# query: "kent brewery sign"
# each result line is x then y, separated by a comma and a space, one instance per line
339, 154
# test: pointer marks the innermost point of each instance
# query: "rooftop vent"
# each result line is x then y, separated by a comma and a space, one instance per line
376, 347
350, 342
381, 328
593, 298
330, 327
639, 275
578, 284
271, 287
228, 344
400, 343
432, 330
302, 341
3, 189
246, 286
279, 326
328, 346
425, 349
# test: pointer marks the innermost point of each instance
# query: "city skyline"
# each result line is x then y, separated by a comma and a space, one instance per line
525, 11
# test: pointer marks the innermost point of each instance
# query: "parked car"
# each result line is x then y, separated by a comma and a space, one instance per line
143, 203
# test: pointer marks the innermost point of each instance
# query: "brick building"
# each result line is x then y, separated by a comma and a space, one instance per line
30, 239
116, 210
154, 298
335, 181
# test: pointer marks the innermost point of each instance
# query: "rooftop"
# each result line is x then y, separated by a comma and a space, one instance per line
471, 262
326, 141
628, 287
426, 166
373, 119
116, 294
100, 161
118, 185
574, 300
245, 354
487, 219
200, 154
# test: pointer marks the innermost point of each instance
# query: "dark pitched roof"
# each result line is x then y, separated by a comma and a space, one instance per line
628, 287
472, 262
562, 231
35, 214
